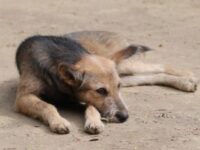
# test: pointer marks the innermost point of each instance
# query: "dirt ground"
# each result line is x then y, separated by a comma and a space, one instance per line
160, 118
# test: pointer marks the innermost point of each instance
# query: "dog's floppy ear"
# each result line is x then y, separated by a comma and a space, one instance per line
70, 74
128, 52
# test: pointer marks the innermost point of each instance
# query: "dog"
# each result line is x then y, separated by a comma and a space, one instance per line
88, 67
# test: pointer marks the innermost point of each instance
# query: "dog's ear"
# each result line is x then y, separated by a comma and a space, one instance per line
70, 75
128, 52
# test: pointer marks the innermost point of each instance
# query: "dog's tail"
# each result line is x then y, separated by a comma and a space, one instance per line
128, 52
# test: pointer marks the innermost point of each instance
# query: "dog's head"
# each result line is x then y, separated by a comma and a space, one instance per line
95, 81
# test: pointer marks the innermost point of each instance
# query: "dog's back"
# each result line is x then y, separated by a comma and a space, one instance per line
46, 51
103, 43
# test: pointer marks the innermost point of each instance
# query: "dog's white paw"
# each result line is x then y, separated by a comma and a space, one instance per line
60, 125
94, 127
188, 84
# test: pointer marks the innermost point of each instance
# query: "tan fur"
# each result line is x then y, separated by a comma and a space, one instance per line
93, 123
131, 67
181, 83
151, 74
139, 67
29, 104
101, 76
100, 42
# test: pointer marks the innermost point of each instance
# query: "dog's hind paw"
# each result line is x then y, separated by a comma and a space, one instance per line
188, 84
94, 127
60, 126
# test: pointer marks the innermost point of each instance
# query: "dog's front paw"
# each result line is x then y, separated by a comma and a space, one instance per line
94, 127
60, 125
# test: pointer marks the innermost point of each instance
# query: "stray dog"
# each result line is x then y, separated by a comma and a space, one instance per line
88, 67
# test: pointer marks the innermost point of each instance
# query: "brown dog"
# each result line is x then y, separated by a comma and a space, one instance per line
85, 67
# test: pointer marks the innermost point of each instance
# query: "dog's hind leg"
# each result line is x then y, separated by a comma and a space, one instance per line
145, 73
93, 123
29, 103
181, 83
132, 67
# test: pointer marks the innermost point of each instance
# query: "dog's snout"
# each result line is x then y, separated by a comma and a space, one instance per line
122, 116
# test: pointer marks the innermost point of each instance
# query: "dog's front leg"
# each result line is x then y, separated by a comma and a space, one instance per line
93, 123
33, 106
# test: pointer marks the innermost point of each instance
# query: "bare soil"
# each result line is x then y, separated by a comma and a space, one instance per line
160, 118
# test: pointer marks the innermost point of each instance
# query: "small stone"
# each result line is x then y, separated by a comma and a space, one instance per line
94, 139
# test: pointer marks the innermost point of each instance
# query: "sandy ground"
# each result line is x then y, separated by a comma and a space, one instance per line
160, 118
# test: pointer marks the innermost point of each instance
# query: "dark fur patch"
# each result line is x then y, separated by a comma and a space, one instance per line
128, 52
43, 54
133, 49
51, 48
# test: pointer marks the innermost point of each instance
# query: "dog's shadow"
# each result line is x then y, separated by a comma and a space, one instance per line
73, 112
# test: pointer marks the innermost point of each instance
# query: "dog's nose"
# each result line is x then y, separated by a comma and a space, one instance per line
122, 116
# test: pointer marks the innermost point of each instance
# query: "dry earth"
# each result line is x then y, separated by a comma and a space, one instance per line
160, 118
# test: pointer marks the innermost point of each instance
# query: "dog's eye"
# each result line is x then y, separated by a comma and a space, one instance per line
102, 91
